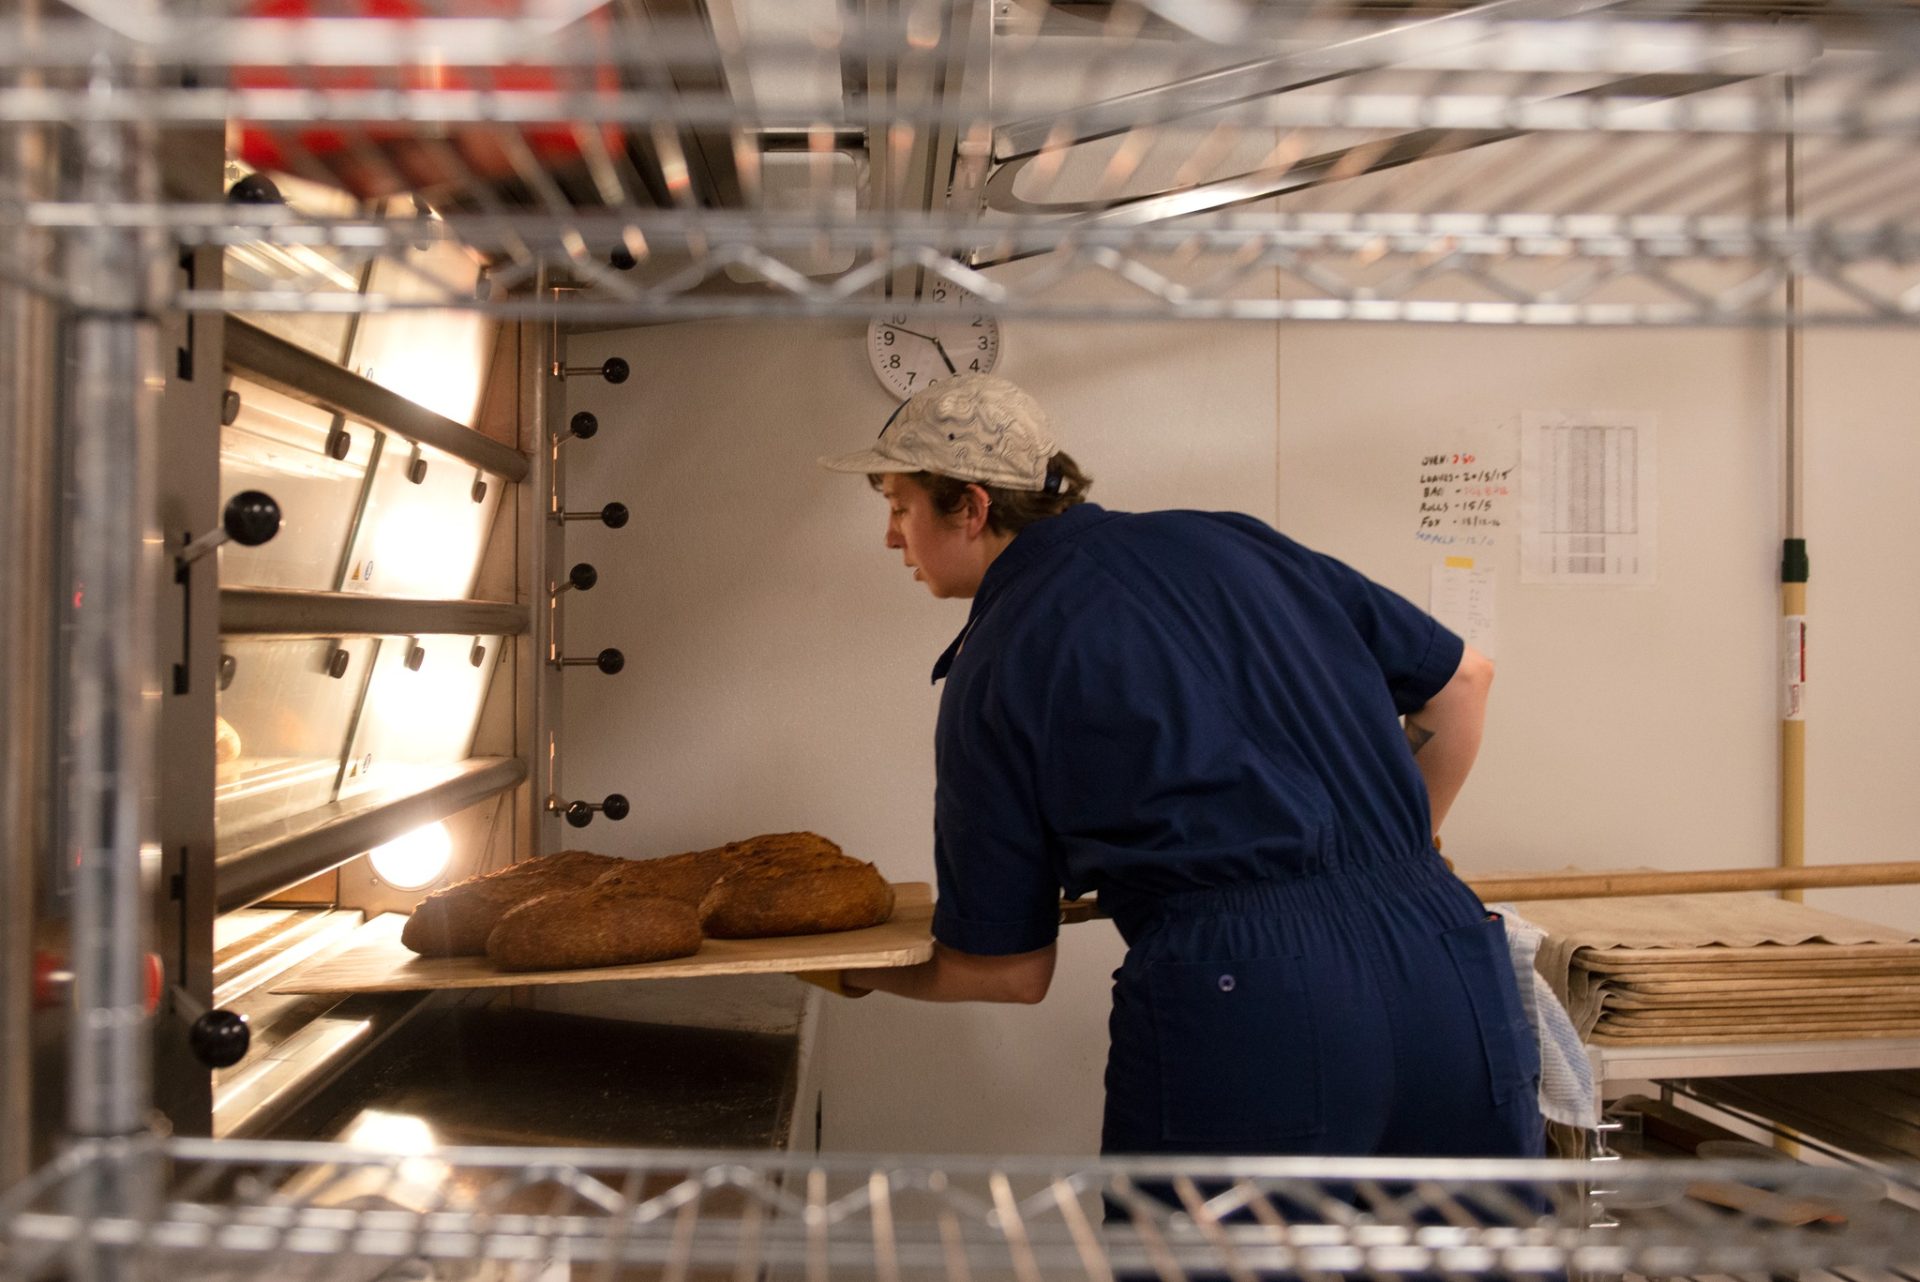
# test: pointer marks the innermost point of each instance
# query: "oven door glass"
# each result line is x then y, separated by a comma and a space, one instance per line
279, 445
421, 715
422, 538
436, 359
284, 718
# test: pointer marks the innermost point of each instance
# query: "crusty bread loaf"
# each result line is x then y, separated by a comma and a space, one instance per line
455, 920
782, 883
793, 883
605, 924
226, 741
685, 877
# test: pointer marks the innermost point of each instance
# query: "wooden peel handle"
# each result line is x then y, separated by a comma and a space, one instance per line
1617, 885
1614, 885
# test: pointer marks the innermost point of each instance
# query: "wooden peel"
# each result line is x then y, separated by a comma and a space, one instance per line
379, 963
1618, 885
1615, 885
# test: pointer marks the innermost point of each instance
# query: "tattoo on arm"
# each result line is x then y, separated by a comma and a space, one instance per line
1418, 736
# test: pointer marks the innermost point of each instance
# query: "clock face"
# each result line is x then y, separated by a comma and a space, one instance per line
909, 352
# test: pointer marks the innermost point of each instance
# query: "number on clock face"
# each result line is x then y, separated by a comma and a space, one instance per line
911, 351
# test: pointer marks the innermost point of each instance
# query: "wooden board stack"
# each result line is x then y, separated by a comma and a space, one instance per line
1725, 968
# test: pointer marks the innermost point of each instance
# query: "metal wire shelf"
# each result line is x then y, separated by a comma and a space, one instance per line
259, 1209
1513, 161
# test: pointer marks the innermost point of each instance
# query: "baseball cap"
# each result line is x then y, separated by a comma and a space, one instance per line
973, 427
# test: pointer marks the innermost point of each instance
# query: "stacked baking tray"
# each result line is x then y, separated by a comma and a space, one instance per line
1874, 1114
1725, 968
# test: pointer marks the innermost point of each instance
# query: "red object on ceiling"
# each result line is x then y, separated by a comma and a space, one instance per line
379, 158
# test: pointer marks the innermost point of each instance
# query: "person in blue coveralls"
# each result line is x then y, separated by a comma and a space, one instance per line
1200, 720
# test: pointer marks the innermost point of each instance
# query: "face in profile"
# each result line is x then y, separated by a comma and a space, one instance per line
933, 544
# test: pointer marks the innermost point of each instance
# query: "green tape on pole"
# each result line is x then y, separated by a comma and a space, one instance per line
1793, 561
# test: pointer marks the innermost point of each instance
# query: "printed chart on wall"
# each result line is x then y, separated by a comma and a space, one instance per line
1587, 487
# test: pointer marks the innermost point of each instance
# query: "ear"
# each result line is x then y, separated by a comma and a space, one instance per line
973, 512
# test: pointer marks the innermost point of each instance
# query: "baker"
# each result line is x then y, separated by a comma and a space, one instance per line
1200, 720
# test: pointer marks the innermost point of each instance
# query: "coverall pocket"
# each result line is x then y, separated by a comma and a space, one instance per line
1486, 972
1239, 1058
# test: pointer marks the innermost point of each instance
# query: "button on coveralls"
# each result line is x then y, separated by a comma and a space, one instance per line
1196, 718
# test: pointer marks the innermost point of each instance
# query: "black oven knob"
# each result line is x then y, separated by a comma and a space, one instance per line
251, 518
613, 516
580, 578
610, 661
581, 813
613, 369
219, 1038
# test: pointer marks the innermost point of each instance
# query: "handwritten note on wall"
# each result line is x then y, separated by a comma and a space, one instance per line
1464, 500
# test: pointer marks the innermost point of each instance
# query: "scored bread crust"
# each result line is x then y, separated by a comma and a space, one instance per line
791, 849
685, 877
604, 924
455, 920
561, 863
793, 884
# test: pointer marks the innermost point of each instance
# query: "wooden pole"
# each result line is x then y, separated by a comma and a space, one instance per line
1621, 885
1614, 885
1793, 561
1793, 723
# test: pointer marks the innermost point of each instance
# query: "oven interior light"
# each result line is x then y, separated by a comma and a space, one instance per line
400, 1171
424, 552
379, 1131
414, 860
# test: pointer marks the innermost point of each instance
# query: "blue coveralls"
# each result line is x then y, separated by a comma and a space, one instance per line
1196, 717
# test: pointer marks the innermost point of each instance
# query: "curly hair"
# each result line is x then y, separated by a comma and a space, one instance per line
1008, 511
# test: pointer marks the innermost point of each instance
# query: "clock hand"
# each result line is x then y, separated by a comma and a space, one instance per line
914, 333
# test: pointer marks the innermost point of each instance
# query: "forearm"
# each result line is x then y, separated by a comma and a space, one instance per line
951, 976
1445, 734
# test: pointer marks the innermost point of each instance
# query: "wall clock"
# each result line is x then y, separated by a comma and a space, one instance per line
909, 352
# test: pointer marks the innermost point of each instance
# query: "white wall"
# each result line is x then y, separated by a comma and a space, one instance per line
778, 655
1863, 609
1601, 691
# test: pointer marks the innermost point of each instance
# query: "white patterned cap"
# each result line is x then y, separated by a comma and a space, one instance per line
972, 427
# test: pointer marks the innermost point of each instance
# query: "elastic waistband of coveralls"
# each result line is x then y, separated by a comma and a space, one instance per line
1334, 891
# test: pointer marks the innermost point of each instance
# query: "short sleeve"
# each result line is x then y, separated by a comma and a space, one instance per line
1416, 654
998, 893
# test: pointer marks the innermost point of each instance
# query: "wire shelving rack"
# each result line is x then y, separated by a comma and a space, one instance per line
1512, 161
1518, 161
260, 1209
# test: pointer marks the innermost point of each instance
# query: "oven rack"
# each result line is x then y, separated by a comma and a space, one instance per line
1508, 162
284, 1209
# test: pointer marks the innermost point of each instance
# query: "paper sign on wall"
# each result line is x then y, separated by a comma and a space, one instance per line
1587, 488
1463, 499
1462, 599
